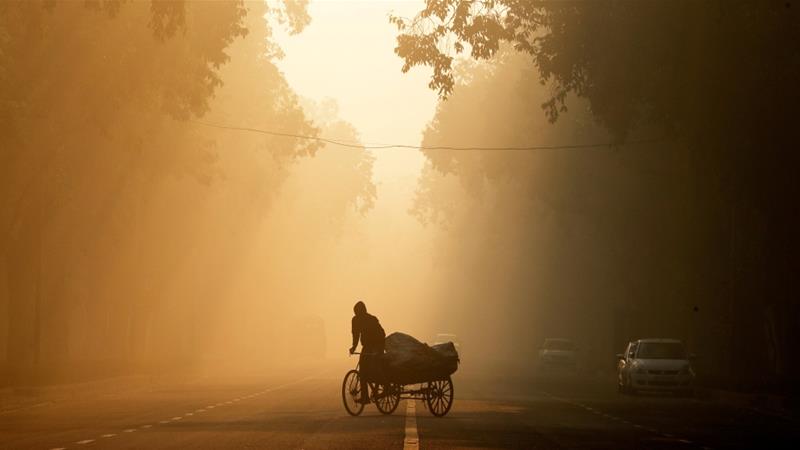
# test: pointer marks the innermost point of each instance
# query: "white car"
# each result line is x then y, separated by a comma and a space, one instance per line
655, 365
558, 354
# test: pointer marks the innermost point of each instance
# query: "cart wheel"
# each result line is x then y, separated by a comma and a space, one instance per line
386, 396
439, 396
351, 393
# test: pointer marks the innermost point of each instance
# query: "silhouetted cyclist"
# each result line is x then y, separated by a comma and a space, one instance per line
367, 328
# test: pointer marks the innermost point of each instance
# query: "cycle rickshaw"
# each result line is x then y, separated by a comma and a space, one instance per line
387, 389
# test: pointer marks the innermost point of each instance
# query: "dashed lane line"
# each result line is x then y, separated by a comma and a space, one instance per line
635, 425
230, 402
411, 441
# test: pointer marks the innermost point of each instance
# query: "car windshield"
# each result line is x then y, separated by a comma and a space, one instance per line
558, 345
661, 350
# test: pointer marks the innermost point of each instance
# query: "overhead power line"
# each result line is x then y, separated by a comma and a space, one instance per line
384, 146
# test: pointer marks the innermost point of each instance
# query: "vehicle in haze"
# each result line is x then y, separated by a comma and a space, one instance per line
558, 354
655, 365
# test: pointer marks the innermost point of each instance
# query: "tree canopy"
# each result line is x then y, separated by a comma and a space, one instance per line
676, 64
700, 217
119, 210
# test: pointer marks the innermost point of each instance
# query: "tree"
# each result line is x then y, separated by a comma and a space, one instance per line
96, 101
692, 73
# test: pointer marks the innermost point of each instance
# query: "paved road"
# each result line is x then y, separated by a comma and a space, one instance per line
301, 409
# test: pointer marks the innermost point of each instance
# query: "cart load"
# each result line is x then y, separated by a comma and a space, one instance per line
409, 361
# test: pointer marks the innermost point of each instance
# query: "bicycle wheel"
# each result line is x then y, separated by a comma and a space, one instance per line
439, 396
386, 397
351, 393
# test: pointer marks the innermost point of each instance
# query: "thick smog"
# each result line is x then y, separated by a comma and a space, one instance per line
433, 224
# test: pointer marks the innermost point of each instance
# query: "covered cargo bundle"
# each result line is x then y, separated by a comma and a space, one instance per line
409, 361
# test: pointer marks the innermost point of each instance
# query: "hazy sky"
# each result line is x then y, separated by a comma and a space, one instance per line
347, 54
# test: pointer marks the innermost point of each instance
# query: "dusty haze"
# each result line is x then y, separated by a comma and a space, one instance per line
152, 220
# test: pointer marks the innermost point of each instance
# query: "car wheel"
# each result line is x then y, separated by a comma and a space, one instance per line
629, 389
622, 387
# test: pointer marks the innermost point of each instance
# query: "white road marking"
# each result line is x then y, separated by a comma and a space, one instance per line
411, 441
635, 425
131, 430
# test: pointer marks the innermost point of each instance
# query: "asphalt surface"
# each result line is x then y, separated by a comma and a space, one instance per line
302, 409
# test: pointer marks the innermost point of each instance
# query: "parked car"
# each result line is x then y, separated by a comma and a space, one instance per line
558, 354
655, 365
